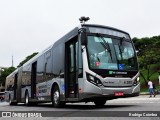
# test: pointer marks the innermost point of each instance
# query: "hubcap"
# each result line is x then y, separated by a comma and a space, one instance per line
56, 96
27, 99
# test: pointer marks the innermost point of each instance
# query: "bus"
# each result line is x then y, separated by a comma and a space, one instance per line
91, 63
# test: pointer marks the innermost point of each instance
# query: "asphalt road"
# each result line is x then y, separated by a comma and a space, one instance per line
120, 109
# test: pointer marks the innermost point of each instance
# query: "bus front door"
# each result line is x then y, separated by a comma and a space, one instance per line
71, 79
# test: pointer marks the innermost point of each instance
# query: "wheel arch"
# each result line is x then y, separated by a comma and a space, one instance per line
26, 92
53, 86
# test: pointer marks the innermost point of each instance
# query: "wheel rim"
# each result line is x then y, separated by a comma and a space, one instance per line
56, 97
27, 99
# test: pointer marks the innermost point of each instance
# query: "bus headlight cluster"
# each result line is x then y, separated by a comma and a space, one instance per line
93, 80
136, 81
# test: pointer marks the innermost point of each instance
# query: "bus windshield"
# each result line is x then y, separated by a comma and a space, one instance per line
111, 53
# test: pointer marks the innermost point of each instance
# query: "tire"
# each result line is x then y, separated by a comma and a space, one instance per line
56, 98
100, 102
10, 101
27, 99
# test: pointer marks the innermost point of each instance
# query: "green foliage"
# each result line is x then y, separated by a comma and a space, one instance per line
8, 71
27, 59
5, 73
148, 56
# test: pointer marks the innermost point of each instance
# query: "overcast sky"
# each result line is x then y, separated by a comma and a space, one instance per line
28, 26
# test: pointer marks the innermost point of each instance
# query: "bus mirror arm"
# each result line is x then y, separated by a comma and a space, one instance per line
83, 35
83, 49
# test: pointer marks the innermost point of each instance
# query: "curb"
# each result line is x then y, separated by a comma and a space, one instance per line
147, 93
144, 93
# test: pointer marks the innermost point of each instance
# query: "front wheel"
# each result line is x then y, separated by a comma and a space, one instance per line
100, 102
56, 98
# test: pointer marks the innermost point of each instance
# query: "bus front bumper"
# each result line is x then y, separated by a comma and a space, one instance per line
92, 91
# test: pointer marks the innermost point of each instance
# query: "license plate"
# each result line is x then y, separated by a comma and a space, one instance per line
119, 94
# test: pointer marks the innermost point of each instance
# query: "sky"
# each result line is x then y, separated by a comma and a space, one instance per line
28, 26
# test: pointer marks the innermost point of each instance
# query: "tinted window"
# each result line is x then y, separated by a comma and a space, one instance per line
58, 59
40, 69
48, 66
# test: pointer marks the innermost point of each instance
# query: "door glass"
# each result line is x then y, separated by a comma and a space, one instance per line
71, 51
73, 67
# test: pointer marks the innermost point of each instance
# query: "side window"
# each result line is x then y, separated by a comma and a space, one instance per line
58, 59
48, 66
40, 69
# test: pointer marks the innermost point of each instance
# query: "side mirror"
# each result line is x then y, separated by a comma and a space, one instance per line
83, 38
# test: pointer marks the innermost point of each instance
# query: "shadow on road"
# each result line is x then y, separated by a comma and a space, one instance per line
80, 106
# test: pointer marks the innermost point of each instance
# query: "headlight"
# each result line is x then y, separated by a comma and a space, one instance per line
136, 81
93, 80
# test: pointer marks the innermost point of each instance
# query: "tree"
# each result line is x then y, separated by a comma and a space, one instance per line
9, 70
148, 54
27, 59
5, 73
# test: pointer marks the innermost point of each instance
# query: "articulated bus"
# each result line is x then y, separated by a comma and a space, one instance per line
91, 63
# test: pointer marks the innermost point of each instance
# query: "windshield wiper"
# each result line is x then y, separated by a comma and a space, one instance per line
121, 40
105, 44
120, 45
120, 50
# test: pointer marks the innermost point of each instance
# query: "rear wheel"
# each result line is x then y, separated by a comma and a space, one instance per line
56, 98
10, 101
100, 102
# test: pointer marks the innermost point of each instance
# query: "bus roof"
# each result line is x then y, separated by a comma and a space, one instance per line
103, 26
69, 35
